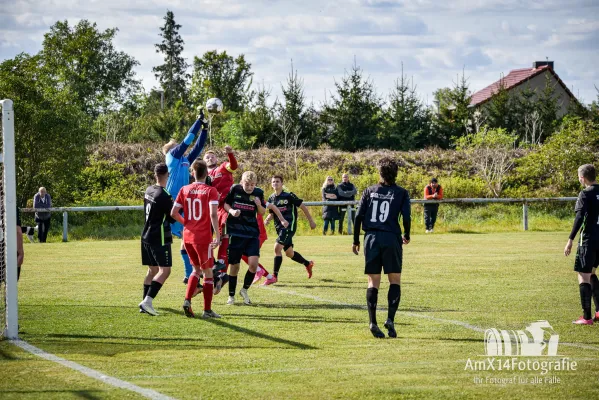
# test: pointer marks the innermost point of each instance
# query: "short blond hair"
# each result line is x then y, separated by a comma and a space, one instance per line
167, 147
249, 176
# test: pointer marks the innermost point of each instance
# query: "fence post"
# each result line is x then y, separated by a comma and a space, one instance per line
525, 215
349, 219
65, 226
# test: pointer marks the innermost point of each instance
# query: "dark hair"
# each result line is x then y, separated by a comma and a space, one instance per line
200, 168
277, 177
388, 170
587, 171
434, 180
160, 169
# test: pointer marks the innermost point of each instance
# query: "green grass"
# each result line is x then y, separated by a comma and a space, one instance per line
302, 338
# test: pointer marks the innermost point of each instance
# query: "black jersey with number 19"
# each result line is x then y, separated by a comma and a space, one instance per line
157, 206
380, 209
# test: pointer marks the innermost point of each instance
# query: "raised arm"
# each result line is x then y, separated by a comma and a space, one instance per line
198, 146
232, 164
179, 150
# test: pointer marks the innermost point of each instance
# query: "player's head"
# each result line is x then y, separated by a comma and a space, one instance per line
169, 146
345, 178
387, 170
328, 181
587, 174
248, 181
200, 170
211, 160
434, 182
160, 171
276, 182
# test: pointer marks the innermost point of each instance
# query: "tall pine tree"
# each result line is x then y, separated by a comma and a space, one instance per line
172, 75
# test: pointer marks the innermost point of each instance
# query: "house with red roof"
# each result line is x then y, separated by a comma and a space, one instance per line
534, 78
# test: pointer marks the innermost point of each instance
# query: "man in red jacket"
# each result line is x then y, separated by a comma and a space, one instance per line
432, 191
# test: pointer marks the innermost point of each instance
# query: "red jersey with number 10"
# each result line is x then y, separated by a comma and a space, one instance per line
195, 199
222, 180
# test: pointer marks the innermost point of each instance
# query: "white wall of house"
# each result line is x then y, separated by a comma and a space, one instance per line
538, 84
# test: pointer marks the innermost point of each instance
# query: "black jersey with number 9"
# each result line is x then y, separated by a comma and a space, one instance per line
381, 206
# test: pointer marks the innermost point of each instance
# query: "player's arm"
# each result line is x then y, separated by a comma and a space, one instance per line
179, 150
228, 206
199, 144
260, 205
308, 215
232, 164
177, 206
580, 209
274, 209
214, 221
358, 222
406, 216
167, 206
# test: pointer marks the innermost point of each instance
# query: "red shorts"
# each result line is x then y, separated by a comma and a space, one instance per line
200, 255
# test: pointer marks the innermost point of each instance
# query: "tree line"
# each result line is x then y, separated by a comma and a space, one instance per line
79, 89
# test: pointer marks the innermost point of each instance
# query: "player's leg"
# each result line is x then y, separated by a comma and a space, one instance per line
194, 279
252, 250
277, 263
595, 287
207, 262
297, 257
373, 267
152, 272
162, 257
222, 256
392, 257
583, 265
234, 254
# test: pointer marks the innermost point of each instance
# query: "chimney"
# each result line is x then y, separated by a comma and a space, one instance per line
539, 64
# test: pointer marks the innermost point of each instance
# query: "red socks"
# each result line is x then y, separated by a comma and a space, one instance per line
222, 251
208, 291
192, 283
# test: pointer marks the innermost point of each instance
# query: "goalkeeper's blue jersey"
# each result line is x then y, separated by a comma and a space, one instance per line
178, 165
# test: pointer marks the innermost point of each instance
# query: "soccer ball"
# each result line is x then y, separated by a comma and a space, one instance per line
214, 105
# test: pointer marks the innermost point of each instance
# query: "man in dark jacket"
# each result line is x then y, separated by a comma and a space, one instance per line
42, 200
346, 192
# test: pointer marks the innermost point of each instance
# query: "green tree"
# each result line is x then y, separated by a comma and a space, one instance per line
500, 111
453, 114
354, 115
172, 75
51, 130
220, 75
407, 121
84, 60
547, 107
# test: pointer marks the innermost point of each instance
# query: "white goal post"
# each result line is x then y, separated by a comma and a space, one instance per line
8, 233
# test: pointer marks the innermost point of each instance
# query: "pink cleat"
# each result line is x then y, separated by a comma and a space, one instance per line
259, 274
309, 269
596, 319
582, 321
270, 281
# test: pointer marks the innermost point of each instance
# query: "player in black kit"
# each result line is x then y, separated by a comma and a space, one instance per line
587, 255
378, 214
287, 203
156, 238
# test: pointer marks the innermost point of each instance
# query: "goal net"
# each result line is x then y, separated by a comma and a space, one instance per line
8, 224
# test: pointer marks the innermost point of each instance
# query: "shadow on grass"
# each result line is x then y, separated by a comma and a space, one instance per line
82, 394
461, 230
293, 318
261, 335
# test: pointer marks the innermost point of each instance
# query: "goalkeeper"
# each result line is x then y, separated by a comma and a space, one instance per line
178, 167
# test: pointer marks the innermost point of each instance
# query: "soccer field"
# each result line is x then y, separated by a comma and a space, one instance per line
302, 338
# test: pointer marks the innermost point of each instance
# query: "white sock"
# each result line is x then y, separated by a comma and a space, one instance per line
148, 300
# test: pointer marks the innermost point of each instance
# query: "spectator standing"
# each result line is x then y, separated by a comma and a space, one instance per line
432, 191
329, 213
42, 200
346, 192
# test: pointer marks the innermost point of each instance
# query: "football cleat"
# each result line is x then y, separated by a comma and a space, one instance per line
309, 269
219, 266
390, 326
147, 308
246, 297
187, 308
231, 300
582, 321
218, 285
259, 274
596, 319
210, 314
376, 332
270, 281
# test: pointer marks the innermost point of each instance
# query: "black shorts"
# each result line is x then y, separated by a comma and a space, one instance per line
382, 251
285, 237
587, 258
154, 255
242, 246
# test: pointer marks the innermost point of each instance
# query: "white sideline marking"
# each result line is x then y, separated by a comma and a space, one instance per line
92, 373
416, 315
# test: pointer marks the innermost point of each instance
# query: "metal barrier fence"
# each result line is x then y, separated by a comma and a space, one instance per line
349, 215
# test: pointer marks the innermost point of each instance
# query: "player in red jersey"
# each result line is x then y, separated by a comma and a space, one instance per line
200, 210
261, 271
222, 179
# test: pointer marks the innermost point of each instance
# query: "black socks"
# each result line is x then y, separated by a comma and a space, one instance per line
232, 285
586, 292
278, 263
297, 257
146, 288
154, 289
595, 287
393, 296
372, 295
249, 278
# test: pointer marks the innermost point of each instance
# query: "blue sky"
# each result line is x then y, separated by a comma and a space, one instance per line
434, 40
